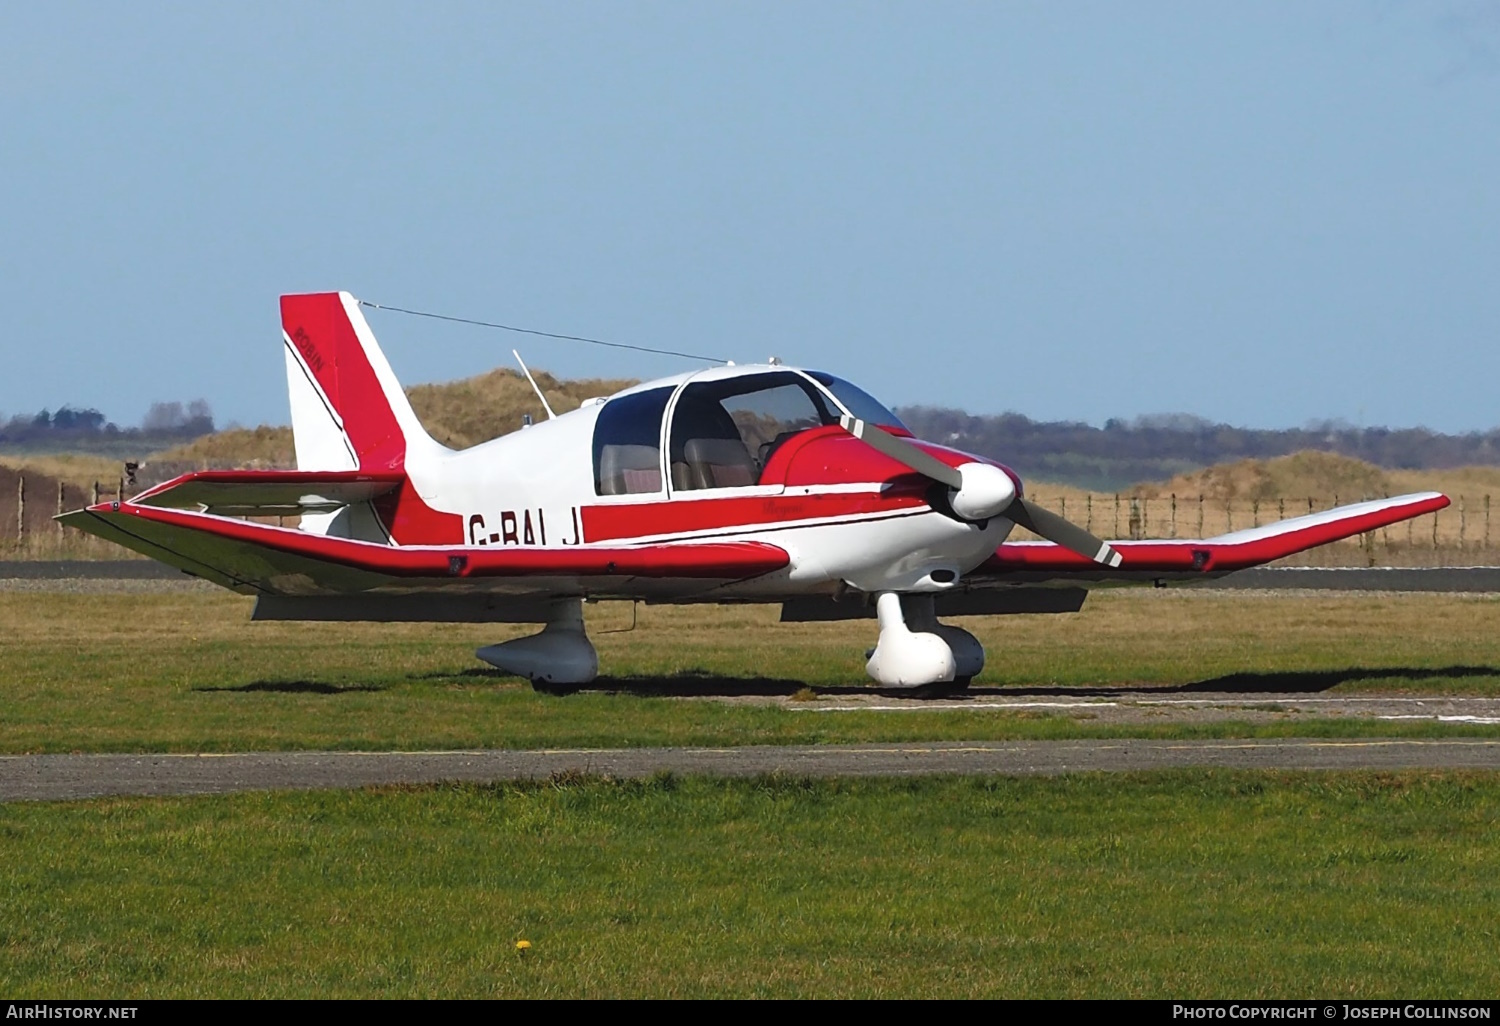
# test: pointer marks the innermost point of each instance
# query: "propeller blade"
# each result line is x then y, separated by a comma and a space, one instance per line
1036, 519
1043, 522
903, 452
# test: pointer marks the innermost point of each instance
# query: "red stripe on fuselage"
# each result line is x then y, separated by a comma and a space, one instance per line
619, 521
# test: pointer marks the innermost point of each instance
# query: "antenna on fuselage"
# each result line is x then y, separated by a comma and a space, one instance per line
534, 386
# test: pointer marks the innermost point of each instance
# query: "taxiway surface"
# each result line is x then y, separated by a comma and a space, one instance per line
55, 777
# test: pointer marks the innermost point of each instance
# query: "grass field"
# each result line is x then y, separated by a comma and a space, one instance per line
1171, 884
187, 671
1174, 884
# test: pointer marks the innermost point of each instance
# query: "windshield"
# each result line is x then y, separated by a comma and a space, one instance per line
857, 401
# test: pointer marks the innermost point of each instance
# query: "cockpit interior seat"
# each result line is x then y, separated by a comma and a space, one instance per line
718, 463
629, 469
707, 450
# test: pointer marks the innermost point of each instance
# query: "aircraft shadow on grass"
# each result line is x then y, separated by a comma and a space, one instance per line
697, 684
710, 685
1323, 680
1274, 682
295, 687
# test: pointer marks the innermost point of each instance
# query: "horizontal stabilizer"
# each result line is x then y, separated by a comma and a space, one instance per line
269, 492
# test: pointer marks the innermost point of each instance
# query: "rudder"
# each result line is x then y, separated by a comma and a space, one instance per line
348, 410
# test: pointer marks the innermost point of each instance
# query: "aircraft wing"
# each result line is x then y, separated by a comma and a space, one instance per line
269, 492
1040, 562
263, 559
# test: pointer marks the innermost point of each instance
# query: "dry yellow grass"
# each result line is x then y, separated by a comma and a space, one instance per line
464, 413
1249, 493
1318, 474
77, 469
264, 446
456, 413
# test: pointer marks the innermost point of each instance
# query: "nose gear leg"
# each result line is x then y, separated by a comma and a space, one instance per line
904, 658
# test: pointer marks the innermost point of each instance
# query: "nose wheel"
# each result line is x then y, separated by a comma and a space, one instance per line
915, 650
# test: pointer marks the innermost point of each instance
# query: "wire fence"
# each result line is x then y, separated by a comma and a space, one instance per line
30, 532
1464, 534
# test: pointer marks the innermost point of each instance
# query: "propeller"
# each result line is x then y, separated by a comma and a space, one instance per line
979, 491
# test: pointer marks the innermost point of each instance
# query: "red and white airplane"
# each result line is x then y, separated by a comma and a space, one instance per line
759, 483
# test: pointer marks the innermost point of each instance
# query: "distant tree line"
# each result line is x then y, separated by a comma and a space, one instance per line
164, 422
1159, 446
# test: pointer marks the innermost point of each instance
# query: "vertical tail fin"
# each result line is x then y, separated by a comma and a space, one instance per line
348, 410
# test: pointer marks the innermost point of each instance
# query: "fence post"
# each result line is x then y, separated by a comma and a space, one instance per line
1088, 505
1463, 523
1254, 512
1063, 507
1200, 514
20, 509
1117, 516
1434, 530
1486, 520
60, 503
1174, 514
1228, 517
1145, 519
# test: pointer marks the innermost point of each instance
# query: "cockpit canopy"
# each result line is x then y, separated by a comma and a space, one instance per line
724, 430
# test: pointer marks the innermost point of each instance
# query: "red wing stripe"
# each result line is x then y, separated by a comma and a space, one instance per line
1225, 553
713, 560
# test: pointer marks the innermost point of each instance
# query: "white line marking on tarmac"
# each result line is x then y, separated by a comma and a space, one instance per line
1298, 700
1444, 719
931, 707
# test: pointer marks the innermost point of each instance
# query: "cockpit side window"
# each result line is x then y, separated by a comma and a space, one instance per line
627, 443
724, 432
859, 402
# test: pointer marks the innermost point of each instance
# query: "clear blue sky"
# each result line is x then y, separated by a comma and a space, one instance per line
1260, 213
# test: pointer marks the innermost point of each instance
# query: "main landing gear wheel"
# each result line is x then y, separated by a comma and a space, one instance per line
560, 657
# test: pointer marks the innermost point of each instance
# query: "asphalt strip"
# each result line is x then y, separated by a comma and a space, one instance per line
56, 777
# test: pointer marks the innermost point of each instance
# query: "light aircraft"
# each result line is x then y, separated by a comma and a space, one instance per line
753, 483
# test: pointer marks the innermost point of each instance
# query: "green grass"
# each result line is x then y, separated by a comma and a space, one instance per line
187, 671
1189, 884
